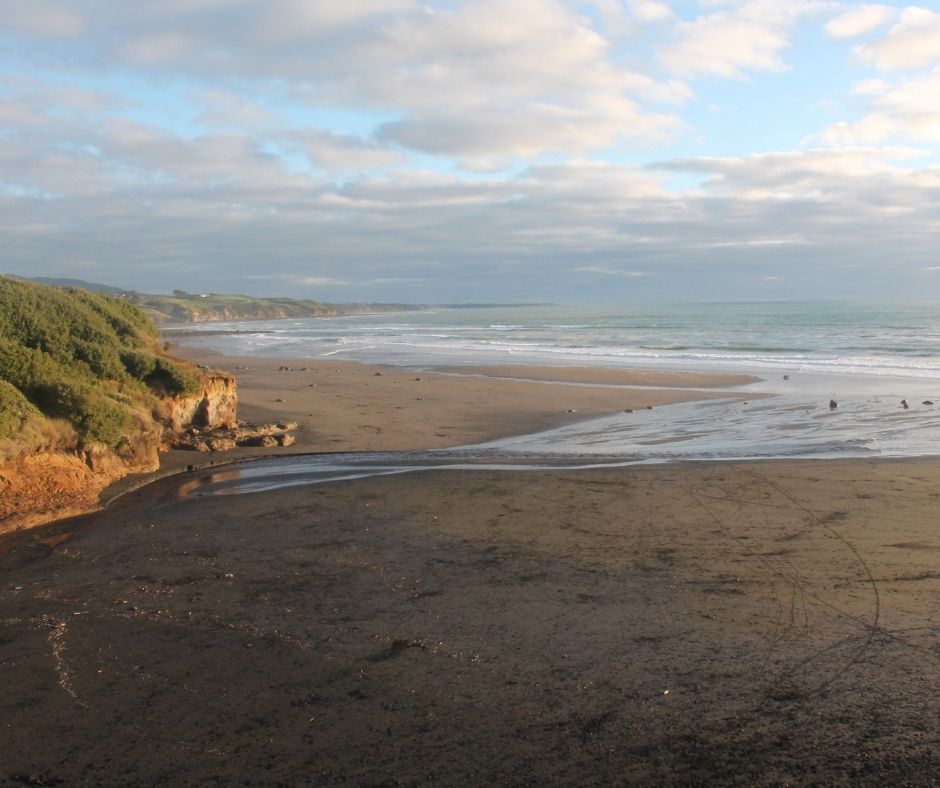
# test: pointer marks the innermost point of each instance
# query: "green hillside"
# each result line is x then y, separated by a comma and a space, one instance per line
188, 307
86, 359
182, 307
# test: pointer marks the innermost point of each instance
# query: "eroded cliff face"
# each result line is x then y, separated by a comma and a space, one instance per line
54, 483
215, 405
57, 481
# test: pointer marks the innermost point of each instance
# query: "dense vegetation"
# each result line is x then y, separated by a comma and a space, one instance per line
88, 359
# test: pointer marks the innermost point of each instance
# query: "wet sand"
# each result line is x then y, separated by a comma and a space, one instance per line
738, 623
347, 406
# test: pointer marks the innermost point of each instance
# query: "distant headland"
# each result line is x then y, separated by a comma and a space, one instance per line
183, 307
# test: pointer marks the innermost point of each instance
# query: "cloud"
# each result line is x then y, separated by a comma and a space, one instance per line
871, 130
442, 151
913, 43
319, 281
152, 208
650, 11
859, 21
224, 109
488, 79
42, 18
906, 109
526, 131
820, 176
751, 36
330, 151
606, 271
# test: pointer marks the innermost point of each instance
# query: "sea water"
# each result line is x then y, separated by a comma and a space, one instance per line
868, 357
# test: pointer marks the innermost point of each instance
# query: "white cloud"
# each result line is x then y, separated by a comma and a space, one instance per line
320, 281
332, 151
872, 129
175, 206
224, 109
42, 18
907, 109
859, 21
821, 175
607, 271
482, 79
913, 43
650, 11
752, 35
291, 130
870, 87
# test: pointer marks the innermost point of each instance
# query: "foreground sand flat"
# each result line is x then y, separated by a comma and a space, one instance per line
752, 623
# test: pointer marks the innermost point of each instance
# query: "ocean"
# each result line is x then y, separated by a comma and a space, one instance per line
866, 356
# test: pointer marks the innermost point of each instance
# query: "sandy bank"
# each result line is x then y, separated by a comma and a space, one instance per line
605, 376
346, 406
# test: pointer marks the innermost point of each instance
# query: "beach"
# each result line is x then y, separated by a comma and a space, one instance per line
348, 406
685, 623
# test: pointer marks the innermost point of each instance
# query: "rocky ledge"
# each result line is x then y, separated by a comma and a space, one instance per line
218, 439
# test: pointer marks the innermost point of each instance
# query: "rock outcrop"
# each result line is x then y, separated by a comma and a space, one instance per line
214, 405
226, 438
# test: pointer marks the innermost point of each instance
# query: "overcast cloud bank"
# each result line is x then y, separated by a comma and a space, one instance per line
489, 150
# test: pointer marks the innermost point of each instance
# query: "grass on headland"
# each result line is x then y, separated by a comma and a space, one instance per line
84, 358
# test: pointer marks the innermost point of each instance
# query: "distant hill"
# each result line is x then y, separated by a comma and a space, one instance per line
203, 307
183, 307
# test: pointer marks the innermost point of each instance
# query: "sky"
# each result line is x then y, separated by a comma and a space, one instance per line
615, 151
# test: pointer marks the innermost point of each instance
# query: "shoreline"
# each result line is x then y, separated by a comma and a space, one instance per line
347, 406
350, 406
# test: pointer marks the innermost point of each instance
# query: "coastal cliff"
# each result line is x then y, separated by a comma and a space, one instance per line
86, 397
213, 406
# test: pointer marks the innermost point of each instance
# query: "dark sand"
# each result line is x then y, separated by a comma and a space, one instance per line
762, 623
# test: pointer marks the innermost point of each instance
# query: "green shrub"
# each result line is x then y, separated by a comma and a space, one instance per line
139, 364
82, 357
15, 410
172, 378
127, 321
92, 412
25, 367
106, 421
